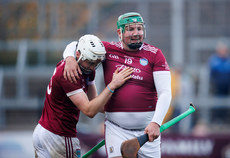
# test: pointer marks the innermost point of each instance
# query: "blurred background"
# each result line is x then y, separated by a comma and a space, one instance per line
193, 35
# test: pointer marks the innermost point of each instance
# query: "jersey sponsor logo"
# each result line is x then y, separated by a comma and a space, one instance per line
137, 77
144, 61
113, 56
136, 70
121, 67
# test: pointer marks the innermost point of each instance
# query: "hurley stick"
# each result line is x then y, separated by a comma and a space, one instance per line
95, 148
130, 147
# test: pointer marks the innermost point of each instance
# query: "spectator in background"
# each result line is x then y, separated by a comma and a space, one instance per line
219, 64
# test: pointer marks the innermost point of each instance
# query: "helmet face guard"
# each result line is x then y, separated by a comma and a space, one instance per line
128, 19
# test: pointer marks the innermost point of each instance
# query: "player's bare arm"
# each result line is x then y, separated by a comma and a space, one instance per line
92, 91
72, 70
90, 108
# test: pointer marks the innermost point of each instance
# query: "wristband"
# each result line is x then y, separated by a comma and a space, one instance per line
110, 89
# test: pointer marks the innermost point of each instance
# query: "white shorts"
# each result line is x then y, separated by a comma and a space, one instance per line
50, 145
115, 135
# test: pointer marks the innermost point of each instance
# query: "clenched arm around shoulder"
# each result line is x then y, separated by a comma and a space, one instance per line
90, 108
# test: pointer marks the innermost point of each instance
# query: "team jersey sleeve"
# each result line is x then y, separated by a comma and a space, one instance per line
162, 81
160, 63
70, 50
71, 88
68, 87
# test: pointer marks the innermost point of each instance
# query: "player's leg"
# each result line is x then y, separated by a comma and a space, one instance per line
150, 149
62, 147
114, 136
50, 145
113, 140
40, 151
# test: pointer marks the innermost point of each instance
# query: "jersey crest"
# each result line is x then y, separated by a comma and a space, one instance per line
144, 61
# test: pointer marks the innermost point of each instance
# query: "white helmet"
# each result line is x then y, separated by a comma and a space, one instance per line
91, 48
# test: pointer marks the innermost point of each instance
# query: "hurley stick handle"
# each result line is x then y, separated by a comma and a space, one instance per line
95, 148
178, 118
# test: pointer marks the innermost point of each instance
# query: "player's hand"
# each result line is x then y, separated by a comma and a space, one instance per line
153, 130
71, 70
119, 78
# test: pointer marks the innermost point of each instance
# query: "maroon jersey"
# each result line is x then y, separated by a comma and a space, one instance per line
139, 93
59, 114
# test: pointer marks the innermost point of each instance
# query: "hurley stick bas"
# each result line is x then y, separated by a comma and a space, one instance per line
129, 148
